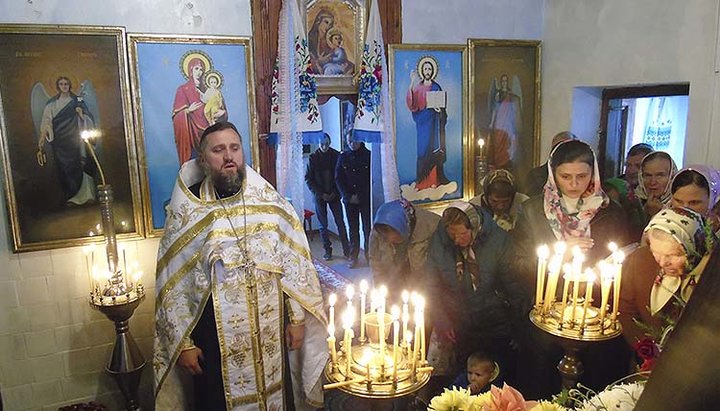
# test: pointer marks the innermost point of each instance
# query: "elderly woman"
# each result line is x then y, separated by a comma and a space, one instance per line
573, 209
500, 197
656, 174
399, 243
476, 304
697, 187
663, 272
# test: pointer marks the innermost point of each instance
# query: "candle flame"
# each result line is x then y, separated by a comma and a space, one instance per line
405, 296
560, 247
543, 252
363, 286
136, 276
332, 299
383, 291
612, 247
481, 142
395, 312
349, 292
590, 275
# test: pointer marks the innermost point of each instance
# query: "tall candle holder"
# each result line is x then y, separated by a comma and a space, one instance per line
116, 293
572, 317
369, 367
481, 166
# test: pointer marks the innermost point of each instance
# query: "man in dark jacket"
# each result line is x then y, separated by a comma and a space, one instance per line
352, 176
320, 179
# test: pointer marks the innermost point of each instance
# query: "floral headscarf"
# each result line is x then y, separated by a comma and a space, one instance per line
465, 261
563, 223
472, 215
688, 228
712, 176
641, 191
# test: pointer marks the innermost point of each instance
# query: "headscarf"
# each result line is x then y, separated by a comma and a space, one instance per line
563, 223
712, 176
465, 257
398, 215
688, 228
640, 190
495, 176
507, 220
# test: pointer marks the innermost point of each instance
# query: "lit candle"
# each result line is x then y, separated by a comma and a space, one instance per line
421, 310
590, 279
331, 344
618, 258
567, 270
481, 146
136, 277
418, 343
363, 293
381, 334
395, 311
383, 298
332, 300
553, 276
405, 314
577, 273
606, 279
408, 343
543, 253
374, 298
347, 344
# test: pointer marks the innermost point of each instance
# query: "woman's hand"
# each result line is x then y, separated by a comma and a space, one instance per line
653, 206
584, 243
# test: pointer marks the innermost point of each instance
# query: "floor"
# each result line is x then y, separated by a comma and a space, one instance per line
338, 262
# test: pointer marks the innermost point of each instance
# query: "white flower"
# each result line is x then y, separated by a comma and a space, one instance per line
620, 397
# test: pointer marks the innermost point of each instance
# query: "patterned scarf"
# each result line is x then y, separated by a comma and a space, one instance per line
688, 228
465, 257
577, 224
641, 191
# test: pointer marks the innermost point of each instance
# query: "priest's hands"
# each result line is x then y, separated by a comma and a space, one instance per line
294, 335
189, 360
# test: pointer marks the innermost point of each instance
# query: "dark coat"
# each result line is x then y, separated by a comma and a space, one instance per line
535, 180
490, 311
352, 174
320, 174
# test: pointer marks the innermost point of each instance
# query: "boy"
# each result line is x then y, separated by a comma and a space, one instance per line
481, 371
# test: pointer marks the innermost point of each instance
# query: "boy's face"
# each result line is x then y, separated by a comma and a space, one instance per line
336, 40
213, 82
480, 373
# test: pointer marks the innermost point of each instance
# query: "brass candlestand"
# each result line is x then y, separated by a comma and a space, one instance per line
117, 296
370, 367
573, 319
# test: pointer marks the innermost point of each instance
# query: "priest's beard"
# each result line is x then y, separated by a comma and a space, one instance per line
226, 184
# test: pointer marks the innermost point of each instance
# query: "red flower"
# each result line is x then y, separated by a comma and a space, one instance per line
647, 349
648, 364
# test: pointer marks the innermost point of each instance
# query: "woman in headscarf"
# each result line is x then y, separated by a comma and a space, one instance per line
476, 305
574, 209
500, 197
697, 187
656, 174
663, 273
399, 243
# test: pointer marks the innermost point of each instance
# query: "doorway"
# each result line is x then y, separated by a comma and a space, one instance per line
656, 115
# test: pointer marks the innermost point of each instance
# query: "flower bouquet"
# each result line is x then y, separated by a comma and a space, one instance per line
506, 398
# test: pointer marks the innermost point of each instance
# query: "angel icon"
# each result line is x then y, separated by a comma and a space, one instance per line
59, 120
505, 102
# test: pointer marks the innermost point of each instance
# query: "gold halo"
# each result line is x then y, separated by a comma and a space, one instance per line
52, 81
433, 62
189, 56
216, 75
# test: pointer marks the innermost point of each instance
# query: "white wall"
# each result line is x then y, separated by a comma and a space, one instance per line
53, 347
454, 21
593, 43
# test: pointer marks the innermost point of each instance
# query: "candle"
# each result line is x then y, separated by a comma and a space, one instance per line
331, 345
551, 287
543, 253
395, 310
347, 345
560, 248
421, 304
606, 278
332, 300
408, 342
374, 298
405, 314
589, 278
363, 292
577, 273
618, 258
481, 146
383, 291
567, 270
416, 346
